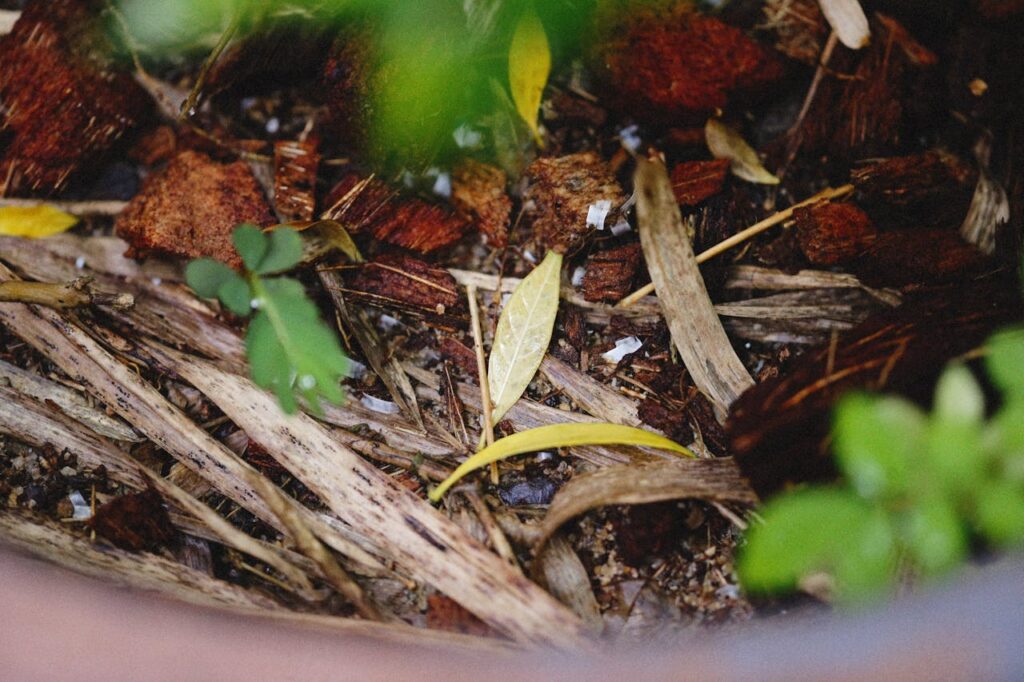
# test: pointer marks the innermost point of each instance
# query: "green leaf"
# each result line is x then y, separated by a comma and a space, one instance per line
529, 64
953, 456
206, 276
1005, 360
726, 143
876, 439
934, 535
1000, 513
523, 334
284, 252
251, 244
816, 530
958, 396
290, 348
235, 294
557, 436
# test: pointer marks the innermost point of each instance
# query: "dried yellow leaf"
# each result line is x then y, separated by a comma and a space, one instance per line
726, 143
523, 334
529, 64
558, 436
34, 221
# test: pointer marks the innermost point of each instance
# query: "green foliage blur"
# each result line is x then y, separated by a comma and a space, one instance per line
291, 351
442, 64
920, 489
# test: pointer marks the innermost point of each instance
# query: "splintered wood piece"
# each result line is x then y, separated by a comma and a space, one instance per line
695, 328
778, 429
80, 356
392, 518
44, 539
593, 397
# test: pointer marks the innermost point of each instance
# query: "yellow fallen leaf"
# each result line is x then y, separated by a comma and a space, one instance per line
529, 64
558, 436
726, 143
523, 334
34, 221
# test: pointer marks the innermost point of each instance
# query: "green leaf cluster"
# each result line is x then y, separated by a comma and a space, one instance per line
919, 487
291, 351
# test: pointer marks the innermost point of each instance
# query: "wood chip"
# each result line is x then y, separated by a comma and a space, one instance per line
695, 181
833, 233
295, 172
609, 274
695, 328
478, 189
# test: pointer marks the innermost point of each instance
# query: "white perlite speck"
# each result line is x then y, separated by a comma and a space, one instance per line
378, 405
598, 213
623, 347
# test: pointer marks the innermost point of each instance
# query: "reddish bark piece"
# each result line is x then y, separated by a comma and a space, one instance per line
830, 234
918, 256
407, 283
295, 171
869, 113
367, 206
695, 181
778, 430
191, 207
669, 62
478, 189
609, 274
917, 190
671, 422
444, 613
155, 146
562, 190
136, 522
1000, 9
460, 355
64, 103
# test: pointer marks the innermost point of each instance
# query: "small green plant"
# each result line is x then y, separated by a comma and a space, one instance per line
919, 488
291, 351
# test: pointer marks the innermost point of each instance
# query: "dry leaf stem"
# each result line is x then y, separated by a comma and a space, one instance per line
481, 368
757, 228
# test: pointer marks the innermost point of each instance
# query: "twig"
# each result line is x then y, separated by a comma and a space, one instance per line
481, 367
826, 194
188, 106
61, 296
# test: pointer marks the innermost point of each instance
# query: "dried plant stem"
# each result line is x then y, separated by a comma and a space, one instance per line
481, 368
826, 194
60, 296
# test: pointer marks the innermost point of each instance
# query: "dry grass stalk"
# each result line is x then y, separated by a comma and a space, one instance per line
695, 328
481, 370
